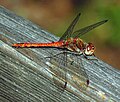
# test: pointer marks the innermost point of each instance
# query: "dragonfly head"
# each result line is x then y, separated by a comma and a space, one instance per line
89, 49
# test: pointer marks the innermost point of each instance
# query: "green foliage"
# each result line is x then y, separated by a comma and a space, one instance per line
112, 12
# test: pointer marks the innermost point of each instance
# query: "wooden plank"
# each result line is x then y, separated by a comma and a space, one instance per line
26, 75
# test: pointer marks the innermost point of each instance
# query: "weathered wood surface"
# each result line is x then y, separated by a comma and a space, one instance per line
26, 76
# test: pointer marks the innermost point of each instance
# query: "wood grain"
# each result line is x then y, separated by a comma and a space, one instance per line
25, 75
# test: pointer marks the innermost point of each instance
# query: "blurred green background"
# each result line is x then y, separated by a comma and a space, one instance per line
56, 15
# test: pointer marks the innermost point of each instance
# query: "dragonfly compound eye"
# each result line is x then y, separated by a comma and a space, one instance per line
89, 50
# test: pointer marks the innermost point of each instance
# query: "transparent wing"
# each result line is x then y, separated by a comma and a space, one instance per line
57, 67
59, 64
87, 29
69, 31
78, 67
72, 63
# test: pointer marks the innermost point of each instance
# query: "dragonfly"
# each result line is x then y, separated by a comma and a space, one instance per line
70, 41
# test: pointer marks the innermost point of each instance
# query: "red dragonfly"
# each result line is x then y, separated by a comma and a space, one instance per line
70, 40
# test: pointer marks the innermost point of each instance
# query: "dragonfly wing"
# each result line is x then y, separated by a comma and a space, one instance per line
59, 61
87, 29
68, 32
56, 63
78, 66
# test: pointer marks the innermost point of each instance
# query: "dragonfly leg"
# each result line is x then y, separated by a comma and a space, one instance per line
72, 62
54, 55
89, 58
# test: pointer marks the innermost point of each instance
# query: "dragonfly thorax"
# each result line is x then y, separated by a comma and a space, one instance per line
75, 44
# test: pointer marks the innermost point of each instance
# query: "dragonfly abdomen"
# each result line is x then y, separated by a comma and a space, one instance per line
52, 44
